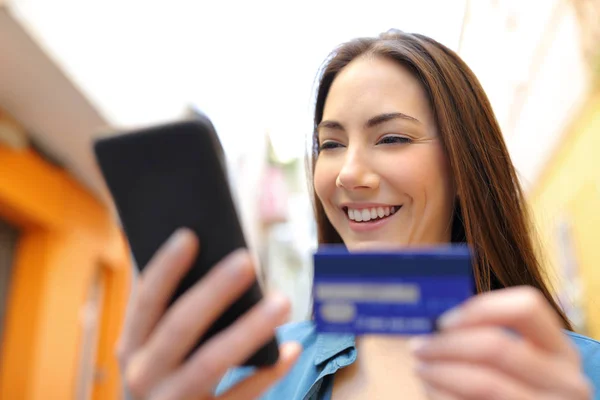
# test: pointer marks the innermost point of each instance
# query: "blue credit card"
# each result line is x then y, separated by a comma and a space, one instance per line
396, 293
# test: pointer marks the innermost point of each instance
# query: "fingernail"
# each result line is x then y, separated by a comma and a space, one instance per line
450, 318
177, 240
237, 261
418, 344
428, 389
289, 349
276, 304
421, 367
132, 373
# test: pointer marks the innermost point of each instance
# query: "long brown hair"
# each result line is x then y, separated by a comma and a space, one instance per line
490, 212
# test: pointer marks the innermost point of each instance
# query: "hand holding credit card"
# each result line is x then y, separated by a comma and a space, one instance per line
396, 293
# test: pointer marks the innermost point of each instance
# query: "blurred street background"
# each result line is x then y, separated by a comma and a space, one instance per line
71, 69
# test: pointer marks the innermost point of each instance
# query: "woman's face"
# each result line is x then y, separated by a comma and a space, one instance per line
382, 174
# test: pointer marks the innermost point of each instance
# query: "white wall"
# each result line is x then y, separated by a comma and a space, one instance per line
527, 55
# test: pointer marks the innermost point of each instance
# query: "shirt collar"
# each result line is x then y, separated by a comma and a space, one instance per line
330, 345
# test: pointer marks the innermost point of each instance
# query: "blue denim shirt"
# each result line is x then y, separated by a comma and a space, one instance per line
311, 376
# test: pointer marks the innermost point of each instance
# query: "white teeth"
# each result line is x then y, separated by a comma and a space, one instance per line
357, 216
366, 215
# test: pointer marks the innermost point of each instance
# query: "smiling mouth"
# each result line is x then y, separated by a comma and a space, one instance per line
372, 214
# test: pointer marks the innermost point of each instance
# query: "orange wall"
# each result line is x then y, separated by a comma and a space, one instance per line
67, 236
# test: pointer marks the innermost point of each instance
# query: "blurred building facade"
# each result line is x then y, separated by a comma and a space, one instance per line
539, 64
64, 268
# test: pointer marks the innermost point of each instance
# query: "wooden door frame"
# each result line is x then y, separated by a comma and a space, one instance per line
66, 234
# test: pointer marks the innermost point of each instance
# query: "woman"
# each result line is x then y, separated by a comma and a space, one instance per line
407, 152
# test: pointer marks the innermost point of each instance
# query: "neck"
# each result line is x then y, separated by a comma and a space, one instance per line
382, 338
384, 365
377, 343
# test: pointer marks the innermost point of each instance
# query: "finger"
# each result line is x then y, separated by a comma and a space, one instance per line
254, 386
188, 319
522, 309
155, 287
497, 349
228, 349
472, 382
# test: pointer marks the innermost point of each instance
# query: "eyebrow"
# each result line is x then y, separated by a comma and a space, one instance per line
372, 122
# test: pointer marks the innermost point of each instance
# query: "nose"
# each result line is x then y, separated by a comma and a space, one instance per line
356, 172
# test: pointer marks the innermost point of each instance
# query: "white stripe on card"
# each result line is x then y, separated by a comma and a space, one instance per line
384, 293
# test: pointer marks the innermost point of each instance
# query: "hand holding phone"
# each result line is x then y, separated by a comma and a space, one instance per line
154, 343
194, 313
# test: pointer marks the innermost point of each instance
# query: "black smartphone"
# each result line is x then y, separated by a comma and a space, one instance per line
166, 177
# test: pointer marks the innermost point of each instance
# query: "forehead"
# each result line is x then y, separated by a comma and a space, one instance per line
372, 85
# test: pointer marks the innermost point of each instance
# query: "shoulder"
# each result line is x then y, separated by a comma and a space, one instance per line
297, 331
302, 374
589, 349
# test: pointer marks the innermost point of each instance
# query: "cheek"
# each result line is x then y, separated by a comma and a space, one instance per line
324, 180
422, 174
443, 175
404, 173
437, 178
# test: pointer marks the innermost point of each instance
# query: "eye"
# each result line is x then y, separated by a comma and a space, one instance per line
394, 139
329, 145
